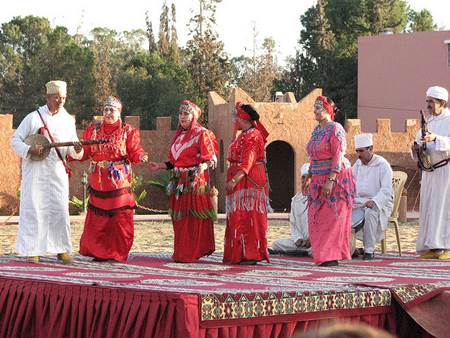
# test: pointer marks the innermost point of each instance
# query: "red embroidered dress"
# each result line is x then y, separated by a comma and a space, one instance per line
329, 218
246, 204
109, 230
190, 205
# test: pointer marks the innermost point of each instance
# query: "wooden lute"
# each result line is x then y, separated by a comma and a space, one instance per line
42, 140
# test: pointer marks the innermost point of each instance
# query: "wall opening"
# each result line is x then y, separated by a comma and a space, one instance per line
281, 170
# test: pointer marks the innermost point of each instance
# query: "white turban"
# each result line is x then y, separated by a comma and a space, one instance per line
56, 87
437, 92
363, 141
304, 169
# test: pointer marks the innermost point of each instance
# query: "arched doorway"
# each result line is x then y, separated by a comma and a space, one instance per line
280, 167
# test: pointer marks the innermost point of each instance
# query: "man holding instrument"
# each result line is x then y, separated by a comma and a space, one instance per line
434, 222
44, 193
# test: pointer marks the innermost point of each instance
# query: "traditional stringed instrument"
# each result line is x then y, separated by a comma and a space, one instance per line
42, 140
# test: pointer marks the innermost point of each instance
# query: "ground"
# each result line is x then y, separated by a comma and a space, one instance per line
157, 236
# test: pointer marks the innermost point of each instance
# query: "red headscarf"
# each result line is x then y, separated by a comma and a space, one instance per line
241, 113
327, 106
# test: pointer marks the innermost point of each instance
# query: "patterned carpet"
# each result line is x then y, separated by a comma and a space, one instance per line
286, 286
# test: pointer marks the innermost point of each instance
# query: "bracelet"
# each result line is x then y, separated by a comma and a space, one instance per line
332, 179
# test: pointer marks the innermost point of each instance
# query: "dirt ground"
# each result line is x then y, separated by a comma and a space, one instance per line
157, 236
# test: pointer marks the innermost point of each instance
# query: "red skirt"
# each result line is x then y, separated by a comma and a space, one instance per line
108, 237
245, 233
193, 215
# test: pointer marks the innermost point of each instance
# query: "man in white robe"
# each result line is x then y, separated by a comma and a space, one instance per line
434, 221
374, 193
299, 243
44, 192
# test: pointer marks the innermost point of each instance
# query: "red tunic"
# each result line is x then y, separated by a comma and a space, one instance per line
246, 204
108, 229
190, 205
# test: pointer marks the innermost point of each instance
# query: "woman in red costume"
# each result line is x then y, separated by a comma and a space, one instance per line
109, 229
330, 188
247, 191
192, 151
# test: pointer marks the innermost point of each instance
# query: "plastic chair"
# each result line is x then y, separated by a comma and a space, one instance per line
398, 182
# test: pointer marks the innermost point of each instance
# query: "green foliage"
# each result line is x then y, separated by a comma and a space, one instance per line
136, 184
78, 203
152, 86
162, 181
33, 53
290, 78
256, 75
109, 63
152, 79
421, 21
328, 46
207, 61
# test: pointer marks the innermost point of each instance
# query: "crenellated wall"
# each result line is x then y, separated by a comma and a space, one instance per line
154, 141
290, 124
9, 167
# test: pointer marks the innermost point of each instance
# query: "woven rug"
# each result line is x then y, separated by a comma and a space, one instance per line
287, 286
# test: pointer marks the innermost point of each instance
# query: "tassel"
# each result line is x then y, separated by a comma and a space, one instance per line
247, 200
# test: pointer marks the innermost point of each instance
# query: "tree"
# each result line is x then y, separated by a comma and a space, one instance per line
174, 49
267, 72
164, 33
152, 47
153, 86
101, 48
256, 74
421, 21
32, 53
290, 78
207, 61
329, 44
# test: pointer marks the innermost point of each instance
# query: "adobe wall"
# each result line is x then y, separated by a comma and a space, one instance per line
287, 121
292, 122
395, 147
9, 168
156, 142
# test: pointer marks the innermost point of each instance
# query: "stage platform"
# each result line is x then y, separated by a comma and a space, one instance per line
151, 296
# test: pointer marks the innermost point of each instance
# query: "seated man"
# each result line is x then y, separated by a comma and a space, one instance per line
298, 244
374, 194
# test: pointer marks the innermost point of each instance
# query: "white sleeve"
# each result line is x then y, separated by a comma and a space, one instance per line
385, 194
442, 143
295, 233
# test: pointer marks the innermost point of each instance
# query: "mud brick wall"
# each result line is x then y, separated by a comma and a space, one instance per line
289, 122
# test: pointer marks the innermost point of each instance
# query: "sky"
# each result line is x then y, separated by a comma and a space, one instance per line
236, 19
